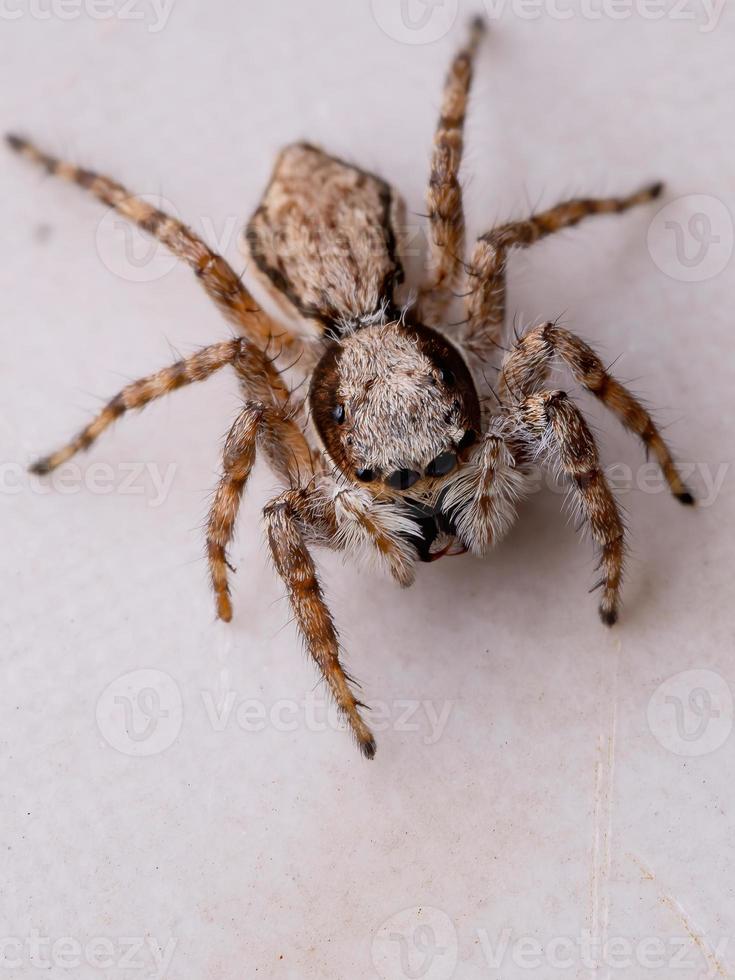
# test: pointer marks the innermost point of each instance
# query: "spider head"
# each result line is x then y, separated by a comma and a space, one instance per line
394, 405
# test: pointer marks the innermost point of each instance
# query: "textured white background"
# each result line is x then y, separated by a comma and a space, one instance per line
557, 798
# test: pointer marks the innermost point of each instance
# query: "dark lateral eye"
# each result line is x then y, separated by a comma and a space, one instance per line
446, 375
467, 439
442, 465
365, 475
338, 414
402, 479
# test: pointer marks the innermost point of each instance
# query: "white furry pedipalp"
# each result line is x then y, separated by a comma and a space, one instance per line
376, 533
482, 497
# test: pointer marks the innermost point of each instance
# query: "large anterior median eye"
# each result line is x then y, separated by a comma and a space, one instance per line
442, 465
402, 479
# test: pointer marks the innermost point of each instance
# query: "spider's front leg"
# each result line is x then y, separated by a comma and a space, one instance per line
529, 362
289, 455
216, 275
290, 519
140, 393
557, 429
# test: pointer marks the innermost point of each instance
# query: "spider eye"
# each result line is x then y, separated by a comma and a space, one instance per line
366, 475
338, 414
446, 375
467, 439
403, 479
442, 465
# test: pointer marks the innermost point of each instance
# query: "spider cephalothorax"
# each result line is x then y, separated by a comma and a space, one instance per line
390, 455
394, 404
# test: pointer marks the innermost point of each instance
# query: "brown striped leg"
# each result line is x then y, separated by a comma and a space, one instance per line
215, 274
287, 451
444, 195
198, 367
558, 428
529, 363
287, 520
486, 272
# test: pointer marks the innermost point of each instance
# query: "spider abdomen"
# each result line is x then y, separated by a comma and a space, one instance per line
325, 238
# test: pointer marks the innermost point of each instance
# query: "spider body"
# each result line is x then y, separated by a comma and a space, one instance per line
392, 452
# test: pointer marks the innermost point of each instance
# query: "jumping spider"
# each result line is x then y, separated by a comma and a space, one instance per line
391, 453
